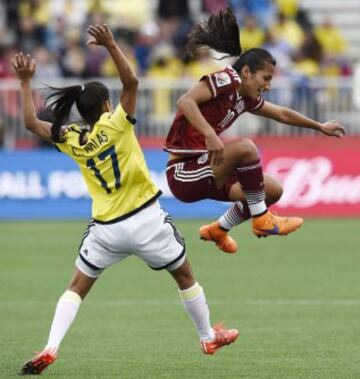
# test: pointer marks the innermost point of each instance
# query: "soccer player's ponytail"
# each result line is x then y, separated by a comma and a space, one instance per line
60, 102
89, 100
219, 32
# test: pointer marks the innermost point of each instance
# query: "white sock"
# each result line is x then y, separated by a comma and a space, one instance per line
194, 301
233, 216
65, 314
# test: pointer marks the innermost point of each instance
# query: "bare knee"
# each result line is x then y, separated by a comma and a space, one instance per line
246, 151
183, 275
81, 283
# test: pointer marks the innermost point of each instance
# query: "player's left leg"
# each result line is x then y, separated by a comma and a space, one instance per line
65, 313
194, 301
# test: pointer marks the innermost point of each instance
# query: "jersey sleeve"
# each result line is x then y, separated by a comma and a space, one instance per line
70, 134
120, 119
254, 104
222, 82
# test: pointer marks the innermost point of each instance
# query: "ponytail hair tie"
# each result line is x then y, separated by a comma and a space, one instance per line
82, 88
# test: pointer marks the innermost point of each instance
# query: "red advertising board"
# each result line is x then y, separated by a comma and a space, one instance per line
320, 176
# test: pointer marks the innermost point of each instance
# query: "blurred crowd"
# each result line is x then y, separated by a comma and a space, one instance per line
153, 34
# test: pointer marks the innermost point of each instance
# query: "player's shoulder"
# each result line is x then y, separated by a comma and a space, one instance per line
117, 118
222, 81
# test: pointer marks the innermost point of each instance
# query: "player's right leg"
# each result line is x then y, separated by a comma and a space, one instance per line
165, 249
65, 313
194, 301
242, 158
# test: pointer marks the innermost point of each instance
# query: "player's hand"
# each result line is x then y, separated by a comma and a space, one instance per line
215, 148
100, 35
24, 66
332, 128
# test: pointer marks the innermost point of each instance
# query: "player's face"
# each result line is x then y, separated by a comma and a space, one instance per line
254, 84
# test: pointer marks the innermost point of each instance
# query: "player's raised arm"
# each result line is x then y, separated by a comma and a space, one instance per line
101, 35
24, 67
289, 116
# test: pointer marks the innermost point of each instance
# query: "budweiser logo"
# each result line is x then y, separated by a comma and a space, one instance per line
309, 182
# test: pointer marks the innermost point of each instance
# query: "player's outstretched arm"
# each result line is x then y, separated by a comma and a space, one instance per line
24, 67
289, 116
102, 36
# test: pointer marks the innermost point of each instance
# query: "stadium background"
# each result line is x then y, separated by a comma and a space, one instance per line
316, 44
294, 299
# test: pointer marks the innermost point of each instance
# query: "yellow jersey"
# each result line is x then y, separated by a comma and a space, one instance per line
113, 166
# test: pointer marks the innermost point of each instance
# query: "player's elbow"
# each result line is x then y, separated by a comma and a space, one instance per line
30, 124
132, 82
183, 102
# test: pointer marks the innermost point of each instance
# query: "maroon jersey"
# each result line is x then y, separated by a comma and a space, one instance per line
220, 112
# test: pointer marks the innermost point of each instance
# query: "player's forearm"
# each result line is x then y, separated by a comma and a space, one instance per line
291, 117
192, 112
126, 73
29, 112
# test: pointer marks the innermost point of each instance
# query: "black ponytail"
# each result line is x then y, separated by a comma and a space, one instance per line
59, 103
219, 32
89, 100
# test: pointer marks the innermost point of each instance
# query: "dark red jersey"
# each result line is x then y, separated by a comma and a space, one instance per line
220, 112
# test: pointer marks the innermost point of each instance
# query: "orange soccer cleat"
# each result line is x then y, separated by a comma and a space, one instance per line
270, 224
220, 236
39, 363
222, 337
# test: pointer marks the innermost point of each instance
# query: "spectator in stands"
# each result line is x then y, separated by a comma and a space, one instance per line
147, 38
251, 35
307, 61
38, 13
108, 68
280, 49
262, 10
165, 68
286, 29
199, 64
289, 8
334, 45
331, 38
47, 67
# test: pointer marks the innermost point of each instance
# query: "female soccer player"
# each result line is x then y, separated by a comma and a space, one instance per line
127, 218
201, 166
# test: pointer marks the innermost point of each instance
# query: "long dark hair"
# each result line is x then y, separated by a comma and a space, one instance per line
255, 58
220, 32
89, 99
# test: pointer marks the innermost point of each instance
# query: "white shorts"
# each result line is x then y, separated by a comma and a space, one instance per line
148, 234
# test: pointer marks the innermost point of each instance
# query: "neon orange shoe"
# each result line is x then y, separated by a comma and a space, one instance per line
215, 233
222, 337
270, 224
39, 363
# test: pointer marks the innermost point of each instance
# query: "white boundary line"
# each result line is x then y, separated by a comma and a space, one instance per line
156, 302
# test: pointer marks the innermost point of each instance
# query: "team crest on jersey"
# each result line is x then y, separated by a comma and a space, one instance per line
222, 79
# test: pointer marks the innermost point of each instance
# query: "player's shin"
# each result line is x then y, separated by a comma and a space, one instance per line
251, 179
65, 313
194, 302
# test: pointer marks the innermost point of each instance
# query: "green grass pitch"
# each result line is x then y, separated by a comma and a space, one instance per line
295, 299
